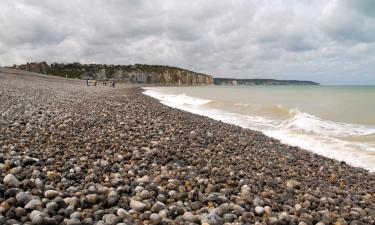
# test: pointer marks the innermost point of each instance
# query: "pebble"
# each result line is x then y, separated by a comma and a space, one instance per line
11, 180
268, 210
73, 221
188, 216
52, 175
92, 198
123, 214
51, 194
137, 205
113, 198
111, 219
155, 218
259, 210
176, 211
23, 198
33, 204
19, 211
246, 193
157, 207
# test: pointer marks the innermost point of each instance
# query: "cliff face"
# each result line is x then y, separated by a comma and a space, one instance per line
164, 77
177, 77
139, 73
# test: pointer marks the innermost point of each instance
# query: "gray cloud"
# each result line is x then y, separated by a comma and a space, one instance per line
326, 41
349, 20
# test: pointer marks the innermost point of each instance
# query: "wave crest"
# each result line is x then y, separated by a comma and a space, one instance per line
180, 99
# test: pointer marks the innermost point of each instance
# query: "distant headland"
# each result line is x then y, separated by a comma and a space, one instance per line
147, 74
233, 81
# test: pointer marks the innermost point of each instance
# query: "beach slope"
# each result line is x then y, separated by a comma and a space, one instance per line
72, 154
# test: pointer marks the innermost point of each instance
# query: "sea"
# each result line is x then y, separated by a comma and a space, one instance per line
334, 121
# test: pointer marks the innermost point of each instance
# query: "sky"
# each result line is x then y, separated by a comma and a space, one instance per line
328, 41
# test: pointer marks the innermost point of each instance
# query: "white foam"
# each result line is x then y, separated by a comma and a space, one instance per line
301, 129
181, 99
309, 123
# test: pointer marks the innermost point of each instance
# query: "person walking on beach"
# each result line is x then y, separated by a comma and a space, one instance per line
113, 83
88, 82
94, 83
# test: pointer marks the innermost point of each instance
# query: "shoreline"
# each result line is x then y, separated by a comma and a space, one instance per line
319, 142
116, 155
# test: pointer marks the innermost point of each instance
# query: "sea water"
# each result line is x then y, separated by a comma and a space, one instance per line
334, 121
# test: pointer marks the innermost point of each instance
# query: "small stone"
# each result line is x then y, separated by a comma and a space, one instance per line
33, 204
137, 205
258, 201
246, 194
268, 210
11, 180
52, 175
155, 218
214, 219
123, 214
51, 194
259, 210
229, 217
39, 184
196, 205
143, 180
75, 215
238, 210
307, 218
53, 206
23, 198
73, 221
273, 221
28, 161
247, 217
104, 163
188, 216
306, 204
92, 198
157, 207
340, 221
292, 184
163, 213
176, 211
38, 218
145, 194
113, 198
111, 219
88, 221
19, 211
4, 206
298, 207
284, 216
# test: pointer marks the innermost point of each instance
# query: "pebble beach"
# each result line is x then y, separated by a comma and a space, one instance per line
72, 154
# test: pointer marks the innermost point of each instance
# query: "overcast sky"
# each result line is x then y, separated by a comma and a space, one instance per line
329, 41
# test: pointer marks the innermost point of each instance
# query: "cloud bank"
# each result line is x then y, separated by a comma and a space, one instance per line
329, 41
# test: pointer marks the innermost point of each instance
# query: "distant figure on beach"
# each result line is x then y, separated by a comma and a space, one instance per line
88, 82
113, 83
94, 83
